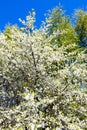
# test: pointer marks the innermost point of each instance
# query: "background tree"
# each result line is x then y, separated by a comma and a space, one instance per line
58, 24
81, 27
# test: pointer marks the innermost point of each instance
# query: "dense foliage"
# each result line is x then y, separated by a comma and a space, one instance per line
43, 74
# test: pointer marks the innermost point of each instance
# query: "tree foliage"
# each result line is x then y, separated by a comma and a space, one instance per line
81, 27
59, 25
42, 85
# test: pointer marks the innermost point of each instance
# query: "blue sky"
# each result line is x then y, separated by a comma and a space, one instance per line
11, 10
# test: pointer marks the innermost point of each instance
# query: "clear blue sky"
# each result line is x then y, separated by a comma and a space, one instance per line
11, 10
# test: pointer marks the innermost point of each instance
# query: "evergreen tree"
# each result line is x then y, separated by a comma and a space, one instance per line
60, 27
81, 27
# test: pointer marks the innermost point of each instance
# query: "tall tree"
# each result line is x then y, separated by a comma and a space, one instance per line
81, 27
59, 25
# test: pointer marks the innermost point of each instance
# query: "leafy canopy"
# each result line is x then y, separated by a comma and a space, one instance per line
43, 76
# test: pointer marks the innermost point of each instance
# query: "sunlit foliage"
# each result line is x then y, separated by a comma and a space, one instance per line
42, 79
